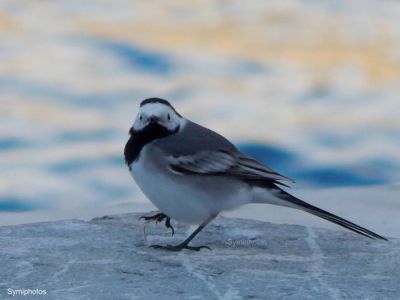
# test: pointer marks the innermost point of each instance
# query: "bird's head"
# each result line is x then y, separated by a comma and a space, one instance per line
157, 113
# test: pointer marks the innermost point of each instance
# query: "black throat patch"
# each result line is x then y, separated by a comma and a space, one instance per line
141, 138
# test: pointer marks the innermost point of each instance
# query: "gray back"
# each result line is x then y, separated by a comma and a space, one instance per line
193, 138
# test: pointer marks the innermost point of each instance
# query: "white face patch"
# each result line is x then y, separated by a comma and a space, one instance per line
162, 113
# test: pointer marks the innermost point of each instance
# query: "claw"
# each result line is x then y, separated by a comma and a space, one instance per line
168, 225
159, 217
179, 247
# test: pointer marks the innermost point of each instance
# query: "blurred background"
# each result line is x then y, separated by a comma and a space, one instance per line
309, 87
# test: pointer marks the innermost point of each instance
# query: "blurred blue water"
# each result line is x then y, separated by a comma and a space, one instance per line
296, 167
11, 143
136, 57
84, 136
284, 161
37, 90
75, 165
273, 156
11, 204
105, 178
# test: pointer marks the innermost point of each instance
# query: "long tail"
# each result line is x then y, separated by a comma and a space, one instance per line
328, 216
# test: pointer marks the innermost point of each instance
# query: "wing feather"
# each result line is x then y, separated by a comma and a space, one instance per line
225, 162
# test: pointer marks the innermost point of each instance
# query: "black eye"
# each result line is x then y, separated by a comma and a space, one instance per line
140, 118
169, 117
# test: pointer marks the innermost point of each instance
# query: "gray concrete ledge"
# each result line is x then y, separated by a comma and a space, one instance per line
106, 258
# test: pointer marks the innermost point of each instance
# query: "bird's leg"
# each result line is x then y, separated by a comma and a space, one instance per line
185, 243
159, 217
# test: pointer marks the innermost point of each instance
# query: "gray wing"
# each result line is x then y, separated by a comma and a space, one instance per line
192, 139
199, 150
230, 163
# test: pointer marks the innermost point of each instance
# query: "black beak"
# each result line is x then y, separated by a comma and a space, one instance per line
131, 131
153, 120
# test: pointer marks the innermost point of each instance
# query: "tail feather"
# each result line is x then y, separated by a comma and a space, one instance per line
330, 217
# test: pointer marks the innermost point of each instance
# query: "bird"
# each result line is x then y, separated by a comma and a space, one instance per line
192, 174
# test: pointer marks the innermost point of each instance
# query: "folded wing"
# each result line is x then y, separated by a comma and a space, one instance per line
226, 163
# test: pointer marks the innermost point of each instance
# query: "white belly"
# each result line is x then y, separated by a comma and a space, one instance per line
190, 199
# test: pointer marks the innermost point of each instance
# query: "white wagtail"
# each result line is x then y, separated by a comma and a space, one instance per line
191, 173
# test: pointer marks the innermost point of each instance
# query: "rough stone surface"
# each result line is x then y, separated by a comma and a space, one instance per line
107, 258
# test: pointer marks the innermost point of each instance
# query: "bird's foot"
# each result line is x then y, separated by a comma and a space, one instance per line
168, 225
179, 247
159, 217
